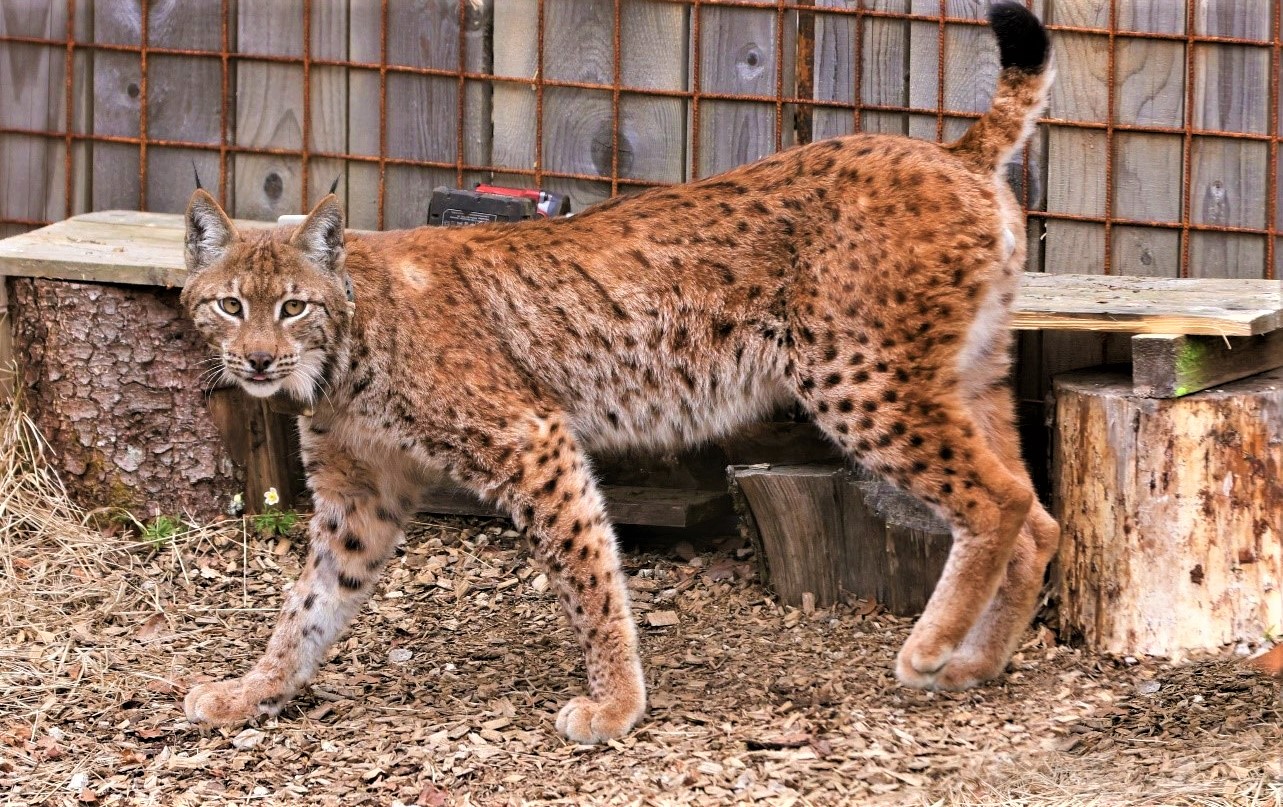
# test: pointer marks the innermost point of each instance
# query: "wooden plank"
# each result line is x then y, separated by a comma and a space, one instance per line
738, 55
516, 32
149, 252
653, 130
1229, 176
578, 124
183, 102
1148, 305
625, 504
421, 110
664, 507
259, 441
269, 110
32, 169
328, 100
1170, 365
146, 248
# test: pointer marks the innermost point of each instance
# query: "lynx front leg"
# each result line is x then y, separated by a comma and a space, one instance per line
353, 532
554, 497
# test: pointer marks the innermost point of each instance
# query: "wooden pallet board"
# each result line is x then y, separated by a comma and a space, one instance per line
626, 504
1170, 366
146, 249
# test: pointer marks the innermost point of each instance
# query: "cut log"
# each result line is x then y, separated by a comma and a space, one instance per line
825, 530
1172, 513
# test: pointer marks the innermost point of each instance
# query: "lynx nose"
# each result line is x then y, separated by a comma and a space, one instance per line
260, 360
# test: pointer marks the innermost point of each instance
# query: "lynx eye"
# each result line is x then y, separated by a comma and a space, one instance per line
230, 305
292, 308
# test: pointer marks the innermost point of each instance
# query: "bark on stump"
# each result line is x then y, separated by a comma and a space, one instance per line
112, 376
824, 530
1172, 512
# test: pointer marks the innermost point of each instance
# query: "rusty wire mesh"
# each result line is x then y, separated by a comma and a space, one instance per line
1089, 26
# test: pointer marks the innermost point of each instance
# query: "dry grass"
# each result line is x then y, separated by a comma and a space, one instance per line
445, 689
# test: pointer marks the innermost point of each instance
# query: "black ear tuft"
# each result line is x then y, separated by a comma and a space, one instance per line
334, 186
1022, 41
199, 186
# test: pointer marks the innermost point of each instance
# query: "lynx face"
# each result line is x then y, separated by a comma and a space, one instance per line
269, 304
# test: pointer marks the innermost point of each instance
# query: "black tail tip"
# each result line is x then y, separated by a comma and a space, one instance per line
1022, 41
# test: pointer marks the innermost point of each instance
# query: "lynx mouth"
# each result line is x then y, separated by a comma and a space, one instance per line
260, 386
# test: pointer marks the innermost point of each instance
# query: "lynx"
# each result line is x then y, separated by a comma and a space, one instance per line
867, 278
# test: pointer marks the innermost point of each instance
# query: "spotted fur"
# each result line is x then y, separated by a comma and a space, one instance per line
868, 278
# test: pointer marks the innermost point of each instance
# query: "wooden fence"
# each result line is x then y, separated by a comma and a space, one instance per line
1160, 153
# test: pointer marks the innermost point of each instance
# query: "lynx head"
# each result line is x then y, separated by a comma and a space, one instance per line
274, 304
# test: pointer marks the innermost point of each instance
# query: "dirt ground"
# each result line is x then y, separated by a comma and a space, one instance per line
445, 691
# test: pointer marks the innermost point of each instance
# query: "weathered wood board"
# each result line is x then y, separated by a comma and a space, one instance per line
1208, 306
1169, 365
143, 248
625, 504
1171, 513
146, 248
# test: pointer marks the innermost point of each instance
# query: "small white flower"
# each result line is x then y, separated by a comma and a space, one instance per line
237, 507
271, 498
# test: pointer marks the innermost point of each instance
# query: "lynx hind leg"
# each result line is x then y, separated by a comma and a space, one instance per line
553, 497
909, 426
353, 532
989, 645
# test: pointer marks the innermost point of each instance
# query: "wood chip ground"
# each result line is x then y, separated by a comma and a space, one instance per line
445, 690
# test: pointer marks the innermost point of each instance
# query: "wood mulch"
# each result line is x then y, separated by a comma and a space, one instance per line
445, 690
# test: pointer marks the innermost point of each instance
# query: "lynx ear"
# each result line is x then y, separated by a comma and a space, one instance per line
320, 236
209, 231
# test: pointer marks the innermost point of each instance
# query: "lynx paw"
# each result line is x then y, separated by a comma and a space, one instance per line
584, 720
230, 702
941, 670
920, 663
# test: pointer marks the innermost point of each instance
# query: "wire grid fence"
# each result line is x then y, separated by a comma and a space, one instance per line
1160, 153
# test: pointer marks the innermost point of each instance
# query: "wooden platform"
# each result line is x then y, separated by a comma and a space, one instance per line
1202, 306
118, 246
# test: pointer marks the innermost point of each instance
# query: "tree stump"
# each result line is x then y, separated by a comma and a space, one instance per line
825, 530
111, 374
1171, 513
